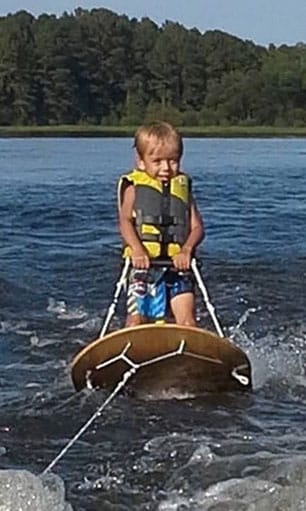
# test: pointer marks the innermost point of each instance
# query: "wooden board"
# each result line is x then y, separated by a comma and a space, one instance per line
207, 363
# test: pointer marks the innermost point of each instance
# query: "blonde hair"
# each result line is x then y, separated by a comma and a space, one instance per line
161, 131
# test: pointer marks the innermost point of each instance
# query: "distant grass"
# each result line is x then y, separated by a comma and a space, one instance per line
128, 131
65, 131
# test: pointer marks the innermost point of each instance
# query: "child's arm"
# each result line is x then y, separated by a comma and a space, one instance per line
182, 261
140, 256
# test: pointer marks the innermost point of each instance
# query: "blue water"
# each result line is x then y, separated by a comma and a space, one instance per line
60, 256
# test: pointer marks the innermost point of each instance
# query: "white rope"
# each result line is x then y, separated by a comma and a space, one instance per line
112, 308
204, 292
244, 380
120, 385
114, 359
122, 356
126, 376
134, 366
202, 357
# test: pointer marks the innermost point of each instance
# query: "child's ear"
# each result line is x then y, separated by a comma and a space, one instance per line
139, 162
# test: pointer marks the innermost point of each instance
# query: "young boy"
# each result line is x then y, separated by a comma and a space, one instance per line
159, 221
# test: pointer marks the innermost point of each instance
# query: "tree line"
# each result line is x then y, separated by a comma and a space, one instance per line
98, 67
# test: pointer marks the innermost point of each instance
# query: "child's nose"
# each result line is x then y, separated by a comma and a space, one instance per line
165, 165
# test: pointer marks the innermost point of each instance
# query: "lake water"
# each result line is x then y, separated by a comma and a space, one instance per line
60, 257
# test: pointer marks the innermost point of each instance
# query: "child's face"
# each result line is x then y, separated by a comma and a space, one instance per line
160, 160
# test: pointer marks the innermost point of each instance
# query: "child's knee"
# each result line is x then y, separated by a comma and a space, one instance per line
185, 317
134, 320
186, 321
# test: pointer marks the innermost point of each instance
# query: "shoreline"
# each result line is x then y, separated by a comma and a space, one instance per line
76, 131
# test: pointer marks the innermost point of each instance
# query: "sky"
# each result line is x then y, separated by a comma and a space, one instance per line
262, 21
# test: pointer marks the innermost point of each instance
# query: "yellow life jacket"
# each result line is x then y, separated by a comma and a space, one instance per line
161, 211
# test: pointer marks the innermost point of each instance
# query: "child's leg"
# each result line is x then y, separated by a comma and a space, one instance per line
183, 309
137, 289
182, 298
134, 320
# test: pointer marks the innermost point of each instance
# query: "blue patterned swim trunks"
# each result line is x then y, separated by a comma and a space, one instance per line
150, 291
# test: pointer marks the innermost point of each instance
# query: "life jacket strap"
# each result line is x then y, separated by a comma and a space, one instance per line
163, 238
161, 220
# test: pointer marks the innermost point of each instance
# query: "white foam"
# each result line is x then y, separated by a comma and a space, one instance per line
62, 311
23, 491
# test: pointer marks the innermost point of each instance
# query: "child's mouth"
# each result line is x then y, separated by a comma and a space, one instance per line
164, 177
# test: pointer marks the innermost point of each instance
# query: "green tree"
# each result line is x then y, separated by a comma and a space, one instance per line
138, 94
17, 69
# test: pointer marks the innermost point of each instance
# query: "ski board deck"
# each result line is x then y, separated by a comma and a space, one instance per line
204, 362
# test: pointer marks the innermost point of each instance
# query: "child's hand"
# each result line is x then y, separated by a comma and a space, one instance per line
182, 261
140, 259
